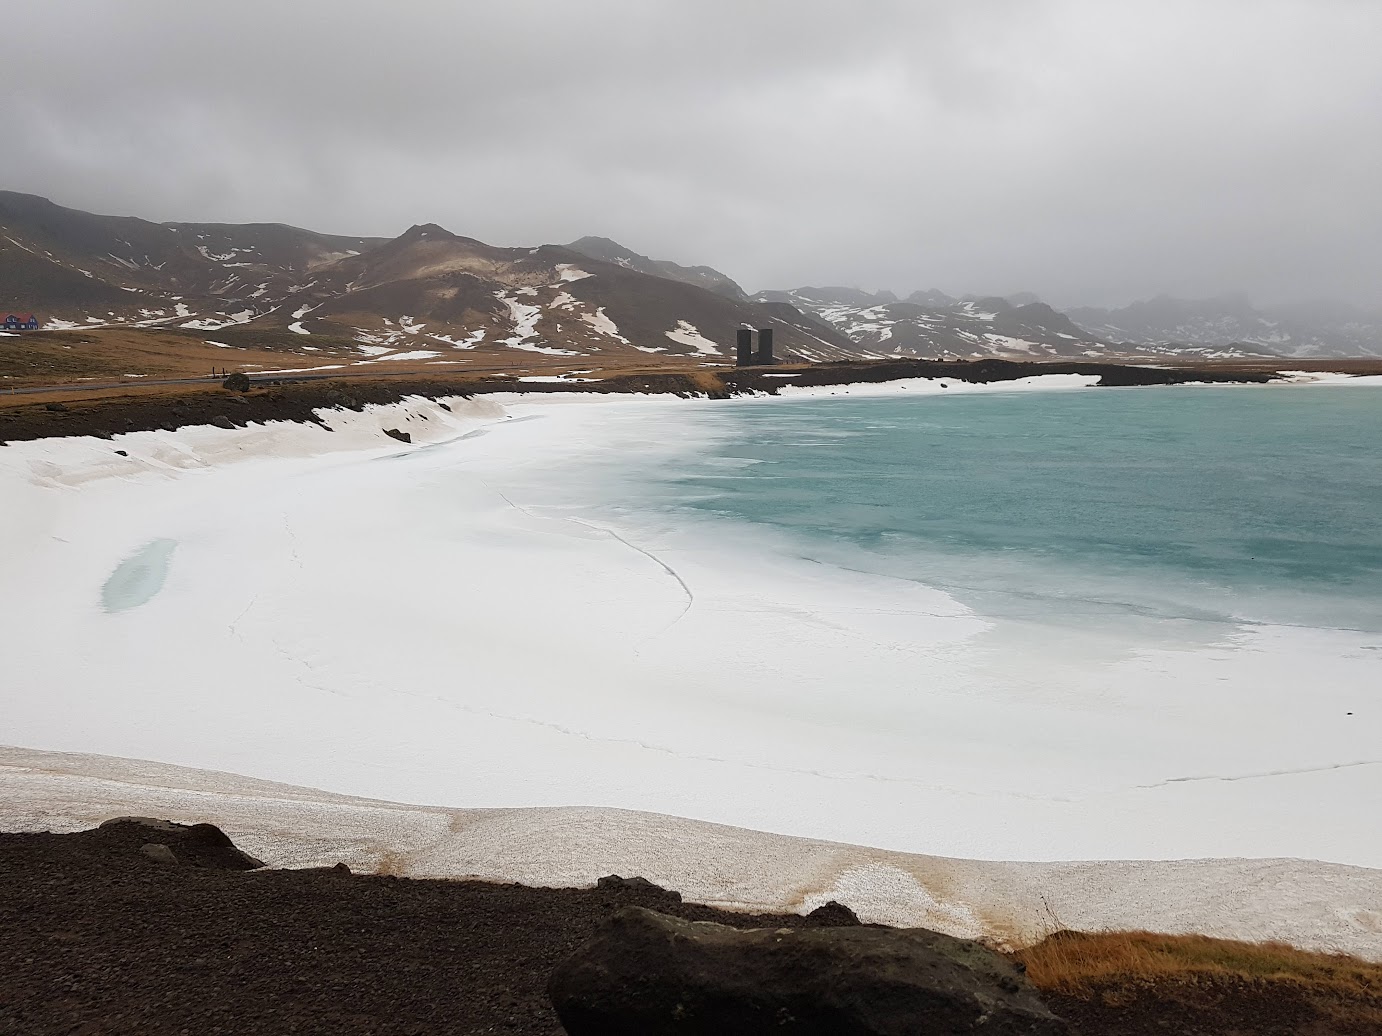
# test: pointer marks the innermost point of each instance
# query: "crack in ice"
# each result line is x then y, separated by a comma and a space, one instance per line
690, 597
1265, 773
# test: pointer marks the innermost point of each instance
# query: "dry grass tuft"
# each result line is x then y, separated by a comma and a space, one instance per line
1075, 963
392, 863
706, 381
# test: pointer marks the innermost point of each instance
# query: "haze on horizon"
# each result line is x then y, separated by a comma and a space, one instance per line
1093, 153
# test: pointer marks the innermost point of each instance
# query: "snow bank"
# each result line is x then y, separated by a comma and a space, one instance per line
1332, 378
1315, 906
917, 386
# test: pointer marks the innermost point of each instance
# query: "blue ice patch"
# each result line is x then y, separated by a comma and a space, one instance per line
139, 578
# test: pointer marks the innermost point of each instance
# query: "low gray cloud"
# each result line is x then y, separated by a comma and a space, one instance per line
1090, 151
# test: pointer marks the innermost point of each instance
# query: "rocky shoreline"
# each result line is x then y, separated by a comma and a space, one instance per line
299, 399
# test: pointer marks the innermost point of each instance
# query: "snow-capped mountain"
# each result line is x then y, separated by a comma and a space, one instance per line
932, 324
1304, 330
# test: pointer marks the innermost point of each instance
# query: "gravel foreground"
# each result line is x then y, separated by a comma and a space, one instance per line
98, 937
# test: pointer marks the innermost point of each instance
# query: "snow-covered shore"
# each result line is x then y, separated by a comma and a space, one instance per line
444, 622
1312, 905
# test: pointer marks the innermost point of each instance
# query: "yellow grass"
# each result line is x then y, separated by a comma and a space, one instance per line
1077, 962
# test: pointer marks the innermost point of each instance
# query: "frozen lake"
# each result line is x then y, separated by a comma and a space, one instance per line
1087, 624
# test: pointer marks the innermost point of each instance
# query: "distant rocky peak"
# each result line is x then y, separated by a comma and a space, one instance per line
602, 248
606, 250
990, 304
419, 231
931, 297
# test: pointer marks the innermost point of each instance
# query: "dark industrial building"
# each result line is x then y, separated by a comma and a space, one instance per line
747, 356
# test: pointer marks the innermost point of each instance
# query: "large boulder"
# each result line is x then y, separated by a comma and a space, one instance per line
159, 853
647, 974
200, 845
832, 915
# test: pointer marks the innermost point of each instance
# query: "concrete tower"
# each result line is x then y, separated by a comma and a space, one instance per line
745, 347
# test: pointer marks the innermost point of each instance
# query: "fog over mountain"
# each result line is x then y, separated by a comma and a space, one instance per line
1088, 152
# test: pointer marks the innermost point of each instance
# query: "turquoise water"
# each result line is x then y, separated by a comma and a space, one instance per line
1183, 505
138, 579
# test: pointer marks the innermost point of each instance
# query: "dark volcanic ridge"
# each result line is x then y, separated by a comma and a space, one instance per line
300, 398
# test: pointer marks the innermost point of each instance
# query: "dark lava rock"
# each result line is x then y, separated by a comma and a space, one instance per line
833, 915
336, 870
237, 382
221, 421
200, 845
647, 974
396, 434
635, 884
56, 408
159, 853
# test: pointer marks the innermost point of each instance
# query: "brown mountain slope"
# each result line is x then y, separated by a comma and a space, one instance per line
608, 251
435, 290
428, 295
80, 268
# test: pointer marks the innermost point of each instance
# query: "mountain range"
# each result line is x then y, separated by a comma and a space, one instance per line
432, 292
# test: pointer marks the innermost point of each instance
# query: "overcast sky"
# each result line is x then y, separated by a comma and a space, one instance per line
1092, 151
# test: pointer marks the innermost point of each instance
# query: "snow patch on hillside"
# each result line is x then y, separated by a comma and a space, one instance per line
209, 324
525, 318
469, 342
603, 324
686, 333
569, 272
416, 354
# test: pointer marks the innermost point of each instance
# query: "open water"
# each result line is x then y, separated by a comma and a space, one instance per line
1162, 511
